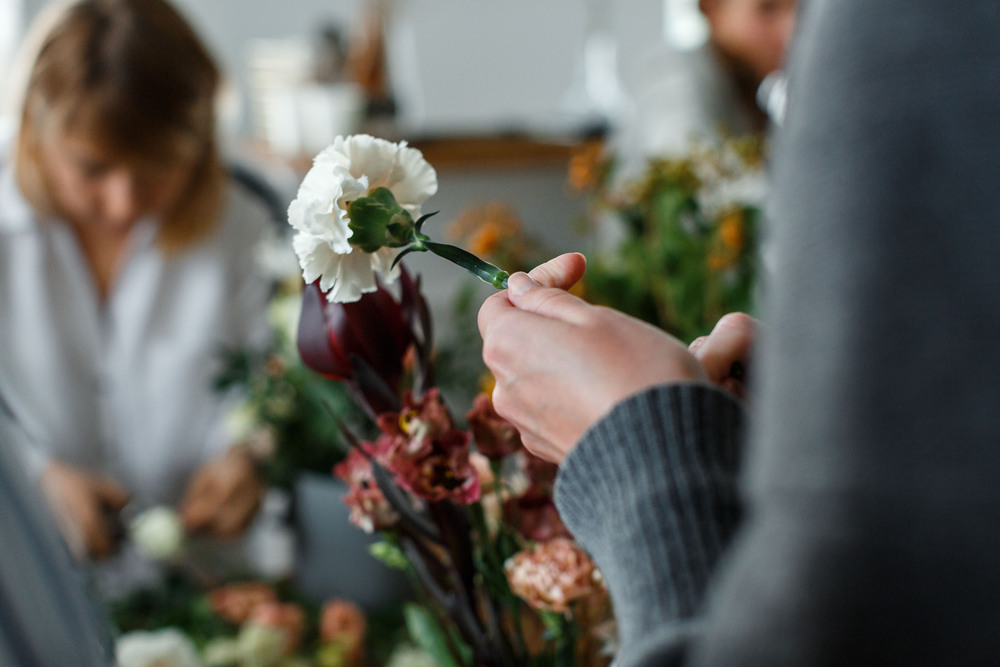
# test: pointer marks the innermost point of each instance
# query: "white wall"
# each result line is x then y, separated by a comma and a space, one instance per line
470, 64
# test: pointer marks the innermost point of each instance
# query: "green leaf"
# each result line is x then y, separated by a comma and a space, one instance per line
481, 269
428, 635
390, 554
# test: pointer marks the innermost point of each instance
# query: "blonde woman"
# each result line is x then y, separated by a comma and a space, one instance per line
125, 266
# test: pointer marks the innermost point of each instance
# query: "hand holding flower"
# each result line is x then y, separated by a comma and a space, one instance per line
561, 364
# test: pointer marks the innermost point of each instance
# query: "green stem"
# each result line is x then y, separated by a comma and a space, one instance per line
483, 270
566, 644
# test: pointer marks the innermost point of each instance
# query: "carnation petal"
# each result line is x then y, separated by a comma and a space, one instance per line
420, 179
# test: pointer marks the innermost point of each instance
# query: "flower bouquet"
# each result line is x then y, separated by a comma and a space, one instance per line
467, 512
689, 252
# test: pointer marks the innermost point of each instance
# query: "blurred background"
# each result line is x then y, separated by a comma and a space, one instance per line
453, 65
496, 94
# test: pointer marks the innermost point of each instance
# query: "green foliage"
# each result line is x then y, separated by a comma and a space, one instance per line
389, 553
290, 405
427, 633
178, 603
690, 249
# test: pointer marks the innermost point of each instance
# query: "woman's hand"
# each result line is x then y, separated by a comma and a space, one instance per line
561, 364
725, 353
223, 496
85, 507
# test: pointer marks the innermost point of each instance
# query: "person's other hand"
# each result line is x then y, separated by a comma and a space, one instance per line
725, 353
84, 506
223, 496
561, 364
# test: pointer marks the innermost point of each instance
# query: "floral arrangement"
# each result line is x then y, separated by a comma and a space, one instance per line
467, 512
691, 224
240, 624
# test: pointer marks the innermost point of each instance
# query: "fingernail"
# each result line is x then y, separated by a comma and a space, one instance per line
519, 283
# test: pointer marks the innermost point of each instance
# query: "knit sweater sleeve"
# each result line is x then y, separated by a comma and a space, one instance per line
650, 492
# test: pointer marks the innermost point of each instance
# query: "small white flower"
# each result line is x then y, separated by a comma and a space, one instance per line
161, 648
158, 533
222, 652
410, 656
240, 421
261, 645
350, 168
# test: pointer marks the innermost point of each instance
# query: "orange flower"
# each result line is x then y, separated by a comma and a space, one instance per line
586, 166
731, 230
486, 240
717, 261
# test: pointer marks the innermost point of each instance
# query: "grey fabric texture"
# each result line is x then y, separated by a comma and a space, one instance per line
46, 617
873, 463
651, 492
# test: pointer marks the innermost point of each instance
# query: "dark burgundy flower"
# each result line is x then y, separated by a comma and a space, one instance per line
495, 436
424, 451
363, 343
537, 517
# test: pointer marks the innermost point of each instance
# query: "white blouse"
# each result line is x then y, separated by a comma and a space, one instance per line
124, 387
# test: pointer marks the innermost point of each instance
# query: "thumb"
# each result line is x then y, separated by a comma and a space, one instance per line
730, 341
527, 295
563, 271
111, 494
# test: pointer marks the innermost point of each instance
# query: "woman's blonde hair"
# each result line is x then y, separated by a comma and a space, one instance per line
132, 77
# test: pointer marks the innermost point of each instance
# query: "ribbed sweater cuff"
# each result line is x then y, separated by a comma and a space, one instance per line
650, 491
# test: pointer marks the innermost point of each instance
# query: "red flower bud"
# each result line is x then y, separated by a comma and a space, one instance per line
363, 343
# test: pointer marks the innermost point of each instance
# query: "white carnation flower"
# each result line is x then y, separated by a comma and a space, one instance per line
158, 533
350, 168
161, 648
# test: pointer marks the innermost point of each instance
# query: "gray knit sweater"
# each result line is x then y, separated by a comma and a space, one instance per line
873, 465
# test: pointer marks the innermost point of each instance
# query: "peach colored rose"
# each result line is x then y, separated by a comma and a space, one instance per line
284, 616
344, 623
552, 575
237, 602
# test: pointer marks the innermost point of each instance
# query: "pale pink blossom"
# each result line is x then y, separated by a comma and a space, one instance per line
370, 511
